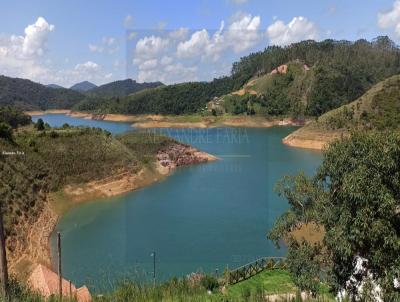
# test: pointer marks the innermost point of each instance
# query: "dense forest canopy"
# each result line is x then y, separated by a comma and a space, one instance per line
341, 71
172, 99
29, 95
120, 88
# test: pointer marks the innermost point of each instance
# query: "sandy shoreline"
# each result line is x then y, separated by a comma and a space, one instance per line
312, 138
160, 121
37, 249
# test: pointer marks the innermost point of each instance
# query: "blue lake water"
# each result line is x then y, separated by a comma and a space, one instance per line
208, 217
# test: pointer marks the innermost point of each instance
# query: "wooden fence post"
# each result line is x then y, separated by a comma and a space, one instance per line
59, 264
3, 259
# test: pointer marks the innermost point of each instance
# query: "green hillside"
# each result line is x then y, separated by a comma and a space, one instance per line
120, 88
272, 94
182, 98
35, 162
378, 109
83, 86
339, 72
29, 95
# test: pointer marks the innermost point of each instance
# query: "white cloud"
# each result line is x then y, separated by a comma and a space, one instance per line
332, 9
166, 60
89, 66
132, 35
149, 64
23, 56
128, 21
148, 47
110, 41
391, 18
161, 25
30, 46
173, 73
242, 34
108, 45
179, 34
195, 46
96, 48
300, 28
238, 1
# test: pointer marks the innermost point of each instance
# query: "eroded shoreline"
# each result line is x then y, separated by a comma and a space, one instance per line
145, 121
37, 249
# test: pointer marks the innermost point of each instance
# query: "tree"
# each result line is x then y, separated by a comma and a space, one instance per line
39, 125
355, 197
5, 131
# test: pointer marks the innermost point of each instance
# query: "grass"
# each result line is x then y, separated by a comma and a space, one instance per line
253, 289
271, 281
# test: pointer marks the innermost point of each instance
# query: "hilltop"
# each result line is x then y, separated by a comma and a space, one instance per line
55, 86
83, 86
29, 95
320, 76
121, 88
378, 109
283, 91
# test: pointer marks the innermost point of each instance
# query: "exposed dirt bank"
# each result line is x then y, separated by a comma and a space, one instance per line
36, 247
182, 121
52, 111
312, 138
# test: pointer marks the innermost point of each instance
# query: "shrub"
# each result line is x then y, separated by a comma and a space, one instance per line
209, 283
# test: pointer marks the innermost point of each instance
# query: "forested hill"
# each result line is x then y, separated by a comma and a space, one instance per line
340, 72
121, 88
182, 98
378, 109
29, 95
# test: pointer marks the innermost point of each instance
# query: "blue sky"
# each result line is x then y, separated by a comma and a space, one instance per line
65, 42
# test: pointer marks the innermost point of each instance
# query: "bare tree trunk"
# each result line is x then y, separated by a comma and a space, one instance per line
59, 264
3, 258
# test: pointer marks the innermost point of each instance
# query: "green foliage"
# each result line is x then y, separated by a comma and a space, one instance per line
173, 99
377, 109
5, 131
28, 95
304, 263
45, 161
252, 290
239, 104
39, 125
145, 145
209, 283
354, 196
341, 71
14, 117
277, 98
120, 89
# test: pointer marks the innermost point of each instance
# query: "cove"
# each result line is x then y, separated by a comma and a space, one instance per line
203, 217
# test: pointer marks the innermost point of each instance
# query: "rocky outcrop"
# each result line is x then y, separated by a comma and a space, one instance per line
176, 155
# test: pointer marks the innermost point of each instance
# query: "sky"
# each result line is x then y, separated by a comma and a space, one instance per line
65, 42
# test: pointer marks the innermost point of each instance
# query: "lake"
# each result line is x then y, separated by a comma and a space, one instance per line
203, 217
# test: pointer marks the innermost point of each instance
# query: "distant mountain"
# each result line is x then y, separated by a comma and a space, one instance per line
83, 86
121, 88
28, 95
54, 86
